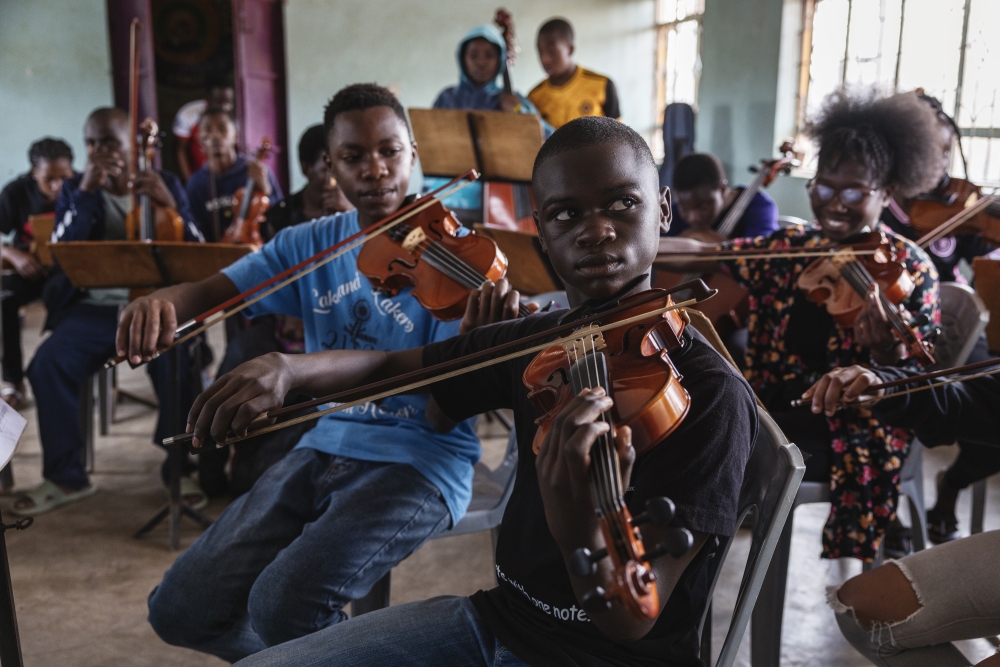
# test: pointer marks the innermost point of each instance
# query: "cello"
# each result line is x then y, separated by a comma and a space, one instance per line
249, 208
147, 221
730, 310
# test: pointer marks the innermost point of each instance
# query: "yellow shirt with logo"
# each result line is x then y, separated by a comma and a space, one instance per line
585, 94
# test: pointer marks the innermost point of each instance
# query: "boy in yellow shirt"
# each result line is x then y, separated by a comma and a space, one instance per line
570, 91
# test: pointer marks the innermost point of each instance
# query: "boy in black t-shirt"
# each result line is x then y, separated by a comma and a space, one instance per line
31, 193
599, 217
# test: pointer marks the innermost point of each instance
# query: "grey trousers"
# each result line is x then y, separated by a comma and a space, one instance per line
958, 587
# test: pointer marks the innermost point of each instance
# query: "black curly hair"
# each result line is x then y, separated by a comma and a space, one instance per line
49, 149
361, 96
312, 144
593, 131
938, 107
697, 170
895, 138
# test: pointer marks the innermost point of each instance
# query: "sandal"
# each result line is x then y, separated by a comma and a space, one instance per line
191, 494
48, 496
942, 526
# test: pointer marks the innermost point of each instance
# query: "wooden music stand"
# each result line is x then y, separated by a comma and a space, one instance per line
501, 146
988, 287
140, 264
531, 273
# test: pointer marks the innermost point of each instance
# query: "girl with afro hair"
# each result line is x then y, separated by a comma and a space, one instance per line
871, 148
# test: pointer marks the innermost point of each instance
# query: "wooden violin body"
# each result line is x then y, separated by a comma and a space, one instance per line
930, 211
841, 284
645, 385
249, 208
149, 221
427, 253
632, 364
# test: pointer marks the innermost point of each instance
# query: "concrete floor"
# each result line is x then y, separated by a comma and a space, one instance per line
81, 580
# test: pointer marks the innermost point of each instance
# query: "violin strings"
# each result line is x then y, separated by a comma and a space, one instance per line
860, 280
456, 268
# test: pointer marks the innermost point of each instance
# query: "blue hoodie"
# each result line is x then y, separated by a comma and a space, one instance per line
467, 95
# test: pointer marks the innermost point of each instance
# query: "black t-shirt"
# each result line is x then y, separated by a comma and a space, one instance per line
20, 199
534, 610
286, 213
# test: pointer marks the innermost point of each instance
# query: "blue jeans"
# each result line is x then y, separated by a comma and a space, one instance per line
315, 532
440, 632
79, 345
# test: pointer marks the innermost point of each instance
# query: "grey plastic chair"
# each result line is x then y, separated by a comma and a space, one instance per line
770, 483
785, 221
491, 490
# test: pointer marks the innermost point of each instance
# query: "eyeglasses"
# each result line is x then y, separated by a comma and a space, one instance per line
848, 196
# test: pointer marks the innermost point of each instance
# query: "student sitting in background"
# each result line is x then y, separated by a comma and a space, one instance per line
703, 198
190, 156
321, 194
94, 206
211, 189
570, 91
32, 193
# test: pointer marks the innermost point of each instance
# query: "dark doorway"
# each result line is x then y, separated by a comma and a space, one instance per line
192, 43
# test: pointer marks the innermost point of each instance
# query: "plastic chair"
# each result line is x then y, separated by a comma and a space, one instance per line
491, 490
770, 484
963, 319
785, 221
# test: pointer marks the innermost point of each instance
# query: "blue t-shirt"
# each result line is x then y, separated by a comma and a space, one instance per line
341, 311
208, 198
759, 219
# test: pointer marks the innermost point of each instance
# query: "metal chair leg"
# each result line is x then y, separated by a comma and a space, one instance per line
86, 418
105, 399
377, 598
978, 506
765, 624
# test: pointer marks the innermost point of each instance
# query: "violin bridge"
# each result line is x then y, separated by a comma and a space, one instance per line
584, 342
413, 240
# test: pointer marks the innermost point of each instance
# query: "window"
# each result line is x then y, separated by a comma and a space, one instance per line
678, 59
950, 48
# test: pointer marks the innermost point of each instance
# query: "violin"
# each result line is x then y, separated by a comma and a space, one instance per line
149, 221
633, 366
841, 282
249, 208
944, 206
427, 253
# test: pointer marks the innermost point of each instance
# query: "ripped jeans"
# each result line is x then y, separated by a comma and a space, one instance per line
958, 587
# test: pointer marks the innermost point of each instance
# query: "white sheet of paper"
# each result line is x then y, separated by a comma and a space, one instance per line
11, 427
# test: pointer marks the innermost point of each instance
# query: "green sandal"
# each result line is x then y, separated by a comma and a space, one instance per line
47, 496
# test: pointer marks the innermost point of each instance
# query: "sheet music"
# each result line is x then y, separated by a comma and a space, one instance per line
11, 427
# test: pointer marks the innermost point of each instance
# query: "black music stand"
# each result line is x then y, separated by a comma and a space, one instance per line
144, 265
10, 641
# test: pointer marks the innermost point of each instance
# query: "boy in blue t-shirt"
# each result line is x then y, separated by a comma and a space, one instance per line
365, 487
211, 189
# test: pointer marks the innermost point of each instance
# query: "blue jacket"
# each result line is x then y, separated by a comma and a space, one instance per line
467, 95
80, 217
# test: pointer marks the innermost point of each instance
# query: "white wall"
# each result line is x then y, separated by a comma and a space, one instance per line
54, 69
411, 46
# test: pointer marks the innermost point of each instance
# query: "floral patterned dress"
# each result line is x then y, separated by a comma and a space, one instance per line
793, 342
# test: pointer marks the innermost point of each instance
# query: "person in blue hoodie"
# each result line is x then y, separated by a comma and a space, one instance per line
93, 206
482, 62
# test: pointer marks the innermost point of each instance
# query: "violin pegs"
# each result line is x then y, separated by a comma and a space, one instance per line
659, 511
583, 562
595, 602
676, 542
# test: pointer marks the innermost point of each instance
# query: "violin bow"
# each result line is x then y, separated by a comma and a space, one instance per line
245, 299
956, 220
466, 364
957, 371
666, 258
